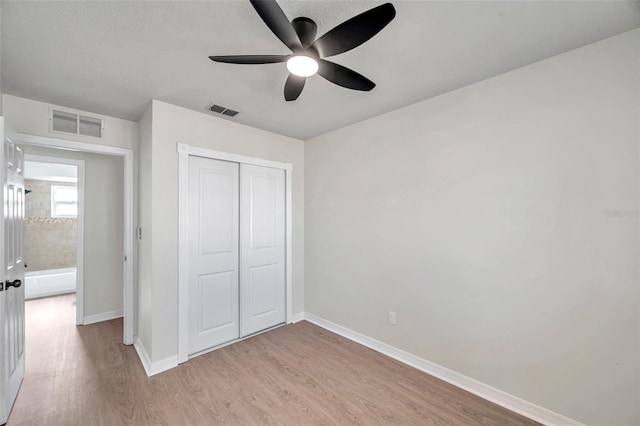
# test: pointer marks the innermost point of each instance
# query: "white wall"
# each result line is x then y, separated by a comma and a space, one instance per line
145, 278
172, 125
482, 218
103, 194
32, 117
103, 227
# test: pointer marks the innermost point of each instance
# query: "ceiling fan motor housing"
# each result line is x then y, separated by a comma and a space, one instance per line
306, 29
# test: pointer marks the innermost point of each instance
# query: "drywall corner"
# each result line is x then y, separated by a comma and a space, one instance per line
144, 241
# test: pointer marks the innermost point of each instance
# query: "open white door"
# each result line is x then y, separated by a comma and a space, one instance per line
12, 294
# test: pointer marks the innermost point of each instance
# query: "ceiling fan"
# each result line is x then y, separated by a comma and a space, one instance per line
307, 56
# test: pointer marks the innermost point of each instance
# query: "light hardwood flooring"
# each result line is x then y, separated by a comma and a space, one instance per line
298, 374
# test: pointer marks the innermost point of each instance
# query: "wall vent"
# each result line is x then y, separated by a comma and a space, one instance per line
219, 109
74, 123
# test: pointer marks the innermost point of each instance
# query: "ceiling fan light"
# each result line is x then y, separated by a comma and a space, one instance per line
302, 66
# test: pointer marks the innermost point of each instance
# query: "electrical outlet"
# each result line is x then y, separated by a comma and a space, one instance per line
392, 317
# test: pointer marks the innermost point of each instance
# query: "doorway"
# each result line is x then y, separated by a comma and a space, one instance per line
121, 209
54, 228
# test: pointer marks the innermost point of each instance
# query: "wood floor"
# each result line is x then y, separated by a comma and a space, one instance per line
298, 374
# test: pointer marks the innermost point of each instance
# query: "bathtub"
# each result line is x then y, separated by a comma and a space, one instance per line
49, 283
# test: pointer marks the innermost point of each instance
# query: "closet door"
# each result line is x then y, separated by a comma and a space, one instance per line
213, 253
262, 248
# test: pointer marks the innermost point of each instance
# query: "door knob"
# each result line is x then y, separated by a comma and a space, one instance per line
15, 283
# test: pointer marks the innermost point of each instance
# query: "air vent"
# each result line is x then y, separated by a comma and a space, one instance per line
75, 124
219, 109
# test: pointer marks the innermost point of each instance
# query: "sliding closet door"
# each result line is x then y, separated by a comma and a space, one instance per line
262, 248
213, 253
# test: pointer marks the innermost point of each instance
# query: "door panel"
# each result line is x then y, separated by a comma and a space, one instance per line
263, 282
262, 202
215, 296
213, 253
262, 248
12, 296
216, 220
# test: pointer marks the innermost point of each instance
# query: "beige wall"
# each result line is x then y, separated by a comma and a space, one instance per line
500, 222
49, 243
159, 177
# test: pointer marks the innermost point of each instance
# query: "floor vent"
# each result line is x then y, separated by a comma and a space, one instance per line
219, 109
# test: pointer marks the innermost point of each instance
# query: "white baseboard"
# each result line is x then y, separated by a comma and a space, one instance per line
153, 368
105, 316
297, 317
476, 387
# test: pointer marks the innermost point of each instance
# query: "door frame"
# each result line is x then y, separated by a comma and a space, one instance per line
129, 308
80, 225
184, 151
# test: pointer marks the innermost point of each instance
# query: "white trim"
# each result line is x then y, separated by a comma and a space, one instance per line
153, 368
289, 242
297, 317
80, 245
226, 156
128, 297
501, 398
183, 258
184, 151
129, 259
105, 316
80, 221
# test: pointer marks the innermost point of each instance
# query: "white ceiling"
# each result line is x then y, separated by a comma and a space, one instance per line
112, 57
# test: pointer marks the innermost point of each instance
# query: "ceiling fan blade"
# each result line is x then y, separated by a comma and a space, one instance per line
250, 59
293, 87
277, 22
343, 76
355, 31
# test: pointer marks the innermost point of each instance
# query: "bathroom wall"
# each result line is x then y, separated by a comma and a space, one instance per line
49, 243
